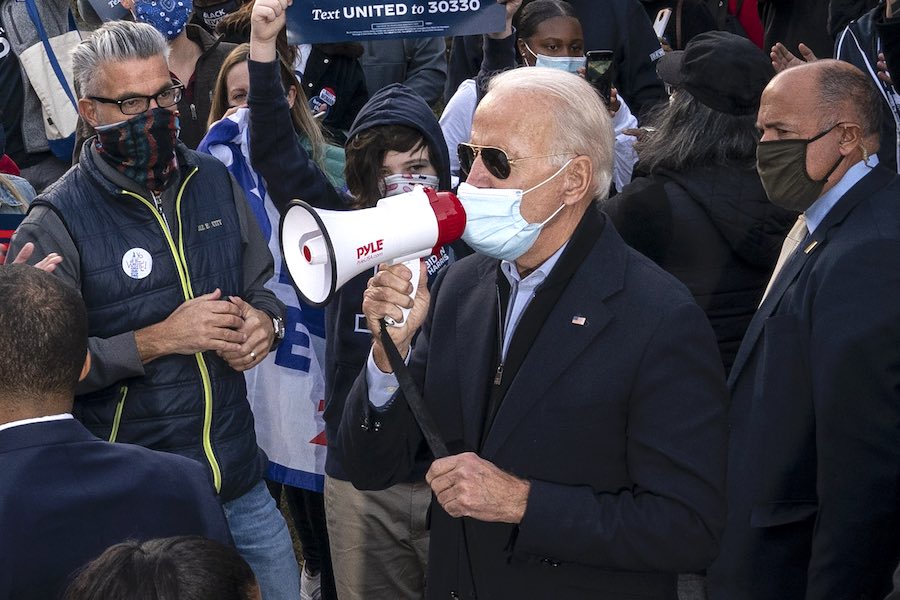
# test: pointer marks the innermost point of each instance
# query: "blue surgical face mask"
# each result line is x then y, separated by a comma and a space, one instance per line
169, 17
569, 64
494, 223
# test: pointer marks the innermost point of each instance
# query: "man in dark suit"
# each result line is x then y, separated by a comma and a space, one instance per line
577, 385
65, 496
814, 447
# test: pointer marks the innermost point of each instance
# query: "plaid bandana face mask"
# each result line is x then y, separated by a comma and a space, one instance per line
142, 148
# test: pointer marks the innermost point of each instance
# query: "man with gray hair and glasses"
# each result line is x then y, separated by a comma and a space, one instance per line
171, 265
577, 387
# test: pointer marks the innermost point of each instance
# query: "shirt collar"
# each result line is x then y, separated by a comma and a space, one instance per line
59, 417
536, 277
819, 209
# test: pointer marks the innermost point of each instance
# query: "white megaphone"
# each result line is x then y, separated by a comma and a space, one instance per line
324, 249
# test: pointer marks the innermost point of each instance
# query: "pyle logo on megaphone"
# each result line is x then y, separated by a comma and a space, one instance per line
370, 248
323, 249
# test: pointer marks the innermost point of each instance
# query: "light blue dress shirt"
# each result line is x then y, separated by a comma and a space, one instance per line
383, 386
819, 209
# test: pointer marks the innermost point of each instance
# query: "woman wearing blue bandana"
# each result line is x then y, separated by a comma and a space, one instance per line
195, 58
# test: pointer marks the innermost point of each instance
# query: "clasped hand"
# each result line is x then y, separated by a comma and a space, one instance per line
239, 333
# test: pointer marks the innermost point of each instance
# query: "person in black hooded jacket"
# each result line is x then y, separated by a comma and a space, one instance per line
379, 539
701, 213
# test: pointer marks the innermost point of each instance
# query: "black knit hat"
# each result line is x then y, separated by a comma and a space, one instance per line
724, 71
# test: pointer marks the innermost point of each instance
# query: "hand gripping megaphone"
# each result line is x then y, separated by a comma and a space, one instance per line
323, 249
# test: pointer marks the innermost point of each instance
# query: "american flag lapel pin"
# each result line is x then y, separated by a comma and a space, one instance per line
579, 320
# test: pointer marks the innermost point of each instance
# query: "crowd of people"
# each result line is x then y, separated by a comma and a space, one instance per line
662, 361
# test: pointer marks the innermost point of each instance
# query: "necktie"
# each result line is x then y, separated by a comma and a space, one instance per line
796, 235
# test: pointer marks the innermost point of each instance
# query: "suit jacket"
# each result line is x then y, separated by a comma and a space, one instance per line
814, 451
65, 496
617, 421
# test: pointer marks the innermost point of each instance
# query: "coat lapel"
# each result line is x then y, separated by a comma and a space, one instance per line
563, 336
868, 185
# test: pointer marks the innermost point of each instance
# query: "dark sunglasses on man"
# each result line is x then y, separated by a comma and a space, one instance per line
495, 160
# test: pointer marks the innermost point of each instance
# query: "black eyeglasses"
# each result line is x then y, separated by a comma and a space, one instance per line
139, 104
495, 160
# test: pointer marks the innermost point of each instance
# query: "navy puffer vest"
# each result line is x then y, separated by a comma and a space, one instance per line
134, 274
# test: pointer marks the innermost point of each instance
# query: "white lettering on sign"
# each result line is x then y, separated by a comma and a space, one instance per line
323, 15
375, 10
453, 6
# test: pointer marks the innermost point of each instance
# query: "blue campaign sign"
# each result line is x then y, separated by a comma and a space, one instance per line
321, 21
109, 10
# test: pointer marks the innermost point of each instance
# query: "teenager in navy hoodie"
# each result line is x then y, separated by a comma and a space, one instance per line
379, 539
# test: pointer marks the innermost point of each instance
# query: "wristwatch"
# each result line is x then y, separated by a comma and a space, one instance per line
278, 328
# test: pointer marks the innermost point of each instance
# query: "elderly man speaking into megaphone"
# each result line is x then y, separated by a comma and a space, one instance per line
576, 386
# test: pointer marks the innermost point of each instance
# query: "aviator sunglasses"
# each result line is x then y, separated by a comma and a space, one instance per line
495, 160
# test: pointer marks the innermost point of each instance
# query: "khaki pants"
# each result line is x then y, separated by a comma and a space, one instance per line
379, 540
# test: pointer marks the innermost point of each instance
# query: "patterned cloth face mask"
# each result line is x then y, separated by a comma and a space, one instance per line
142, 148
169, 17
400, 183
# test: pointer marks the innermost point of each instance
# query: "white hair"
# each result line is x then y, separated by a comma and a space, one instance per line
583, 125
113, 42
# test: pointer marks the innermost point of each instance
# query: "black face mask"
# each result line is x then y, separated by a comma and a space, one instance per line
781, 165
211, 15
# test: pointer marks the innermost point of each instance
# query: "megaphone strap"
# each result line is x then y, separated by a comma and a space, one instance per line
411, 393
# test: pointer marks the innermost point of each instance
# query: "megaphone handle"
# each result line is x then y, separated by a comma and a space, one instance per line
413, 266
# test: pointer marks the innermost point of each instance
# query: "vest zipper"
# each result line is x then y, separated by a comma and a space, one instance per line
157, 202
188, 293
117, 419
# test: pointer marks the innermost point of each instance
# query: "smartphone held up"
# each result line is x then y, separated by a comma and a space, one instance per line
600, 71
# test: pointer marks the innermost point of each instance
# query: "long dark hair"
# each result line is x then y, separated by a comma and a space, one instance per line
689, 134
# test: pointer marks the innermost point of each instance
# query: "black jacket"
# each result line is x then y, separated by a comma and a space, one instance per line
335, 68
616, 418
794, 21
716, 231
194, 108
858, 45
619, 25
813, 491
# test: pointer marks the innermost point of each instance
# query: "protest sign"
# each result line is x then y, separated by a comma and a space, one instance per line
109, 10
321, 21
